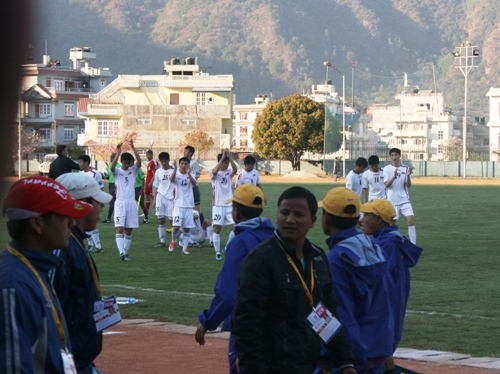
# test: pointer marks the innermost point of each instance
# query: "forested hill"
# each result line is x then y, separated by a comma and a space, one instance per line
278, 46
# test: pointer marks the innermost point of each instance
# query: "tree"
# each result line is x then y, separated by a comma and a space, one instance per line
453, 150
200, 140
288, 127
333, 133
28, 145
103, 151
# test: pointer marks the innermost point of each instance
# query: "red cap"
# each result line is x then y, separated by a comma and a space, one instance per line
39, 195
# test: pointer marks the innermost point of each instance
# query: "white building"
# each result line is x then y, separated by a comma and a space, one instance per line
494, 123
50, 93
244, 116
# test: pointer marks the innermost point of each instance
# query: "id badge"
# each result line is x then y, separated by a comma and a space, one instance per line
106, 313
323, 322
68, 362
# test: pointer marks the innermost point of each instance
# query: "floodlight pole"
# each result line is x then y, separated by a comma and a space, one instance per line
464, 56
327, 65
343, 119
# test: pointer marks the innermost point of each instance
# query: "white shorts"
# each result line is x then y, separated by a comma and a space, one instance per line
403, 210
126, 214
183, 217
222, 215
164, 207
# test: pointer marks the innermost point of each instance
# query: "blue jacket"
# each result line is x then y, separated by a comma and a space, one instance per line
248, 235
362, 286
75, 287
401, 255
29, 340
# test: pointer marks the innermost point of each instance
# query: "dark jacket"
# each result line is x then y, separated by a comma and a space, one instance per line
270, 328
62, 165
29, 342
77, 291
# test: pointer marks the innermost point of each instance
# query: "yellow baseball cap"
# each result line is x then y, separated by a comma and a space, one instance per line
337, 199
246, 195
380, 207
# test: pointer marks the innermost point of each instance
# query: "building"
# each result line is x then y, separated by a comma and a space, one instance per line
50, 93
244, 117
161, 109
494, 123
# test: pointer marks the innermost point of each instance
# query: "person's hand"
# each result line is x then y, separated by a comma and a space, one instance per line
175, 164
389, 364
119, 147
410, 170
396, 173
199, 336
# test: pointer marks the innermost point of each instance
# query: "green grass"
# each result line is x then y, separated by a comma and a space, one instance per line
454, 301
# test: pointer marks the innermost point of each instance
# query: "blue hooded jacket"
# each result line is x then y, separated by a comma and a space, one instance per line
401, 255
248, 235
362, 286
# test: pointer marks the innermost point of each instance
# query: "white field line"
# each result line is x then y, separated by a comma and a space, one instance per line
451, 315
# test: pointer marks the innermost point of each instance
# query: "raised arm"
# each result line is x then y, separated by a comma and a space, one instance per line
136, 154
174, 173
115, 160
233, 164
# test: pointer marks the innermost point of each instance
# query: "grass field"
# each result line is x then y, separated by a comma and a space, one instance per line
454, 304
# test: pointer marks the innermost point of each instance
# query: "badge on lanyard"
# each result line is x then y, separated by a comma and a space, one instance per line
68, 362
323, 322
106, 313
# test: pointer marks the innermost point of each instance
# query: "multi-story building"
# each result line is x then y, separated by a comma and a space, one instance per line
244, 116
494, 123
50, 93
161, 109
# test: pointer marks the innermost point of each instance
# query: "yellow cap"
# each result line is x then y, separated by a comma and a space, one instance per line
337, 199
246, 195
381, 208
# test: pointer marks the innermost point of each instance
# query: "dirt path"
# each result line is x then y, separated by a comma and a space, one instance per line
155, 348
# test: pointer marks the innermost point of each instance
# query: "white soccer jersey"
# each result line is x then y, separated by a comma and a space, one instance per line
183, 191
353, 182
374, 182
96, 175
195, 168
222, 188
162, 182
397, 192
247, 177
125, 182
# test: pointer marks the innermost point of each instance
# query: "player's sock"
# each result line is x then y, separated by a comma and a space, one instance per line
161, 233
210, 233
148, 204
412, 233
96, 239
119, 243
127, 240
175, 234
185, 240
89, 240
231, 235
217, 243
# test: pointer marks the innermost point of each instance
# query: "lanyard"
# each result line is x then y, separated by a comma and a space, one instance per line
304, 285
91, 264
57, 318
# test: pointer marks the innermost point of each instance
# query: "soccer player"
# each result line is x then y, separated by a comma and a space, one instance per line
248, 174
84, 163
33, 330
195, 172
373, 181
77, 282
163, 194
150, 174
183, 203
401, 255
199, 233
251, 230
397, 180
353, 178
222, 191
126, 218
139, 194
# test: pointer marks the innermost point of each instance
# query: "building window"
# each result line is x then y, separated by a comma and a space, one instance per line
244, 116
174, 99
243, 143
47, 82
243, 130
45, 134
234, 115
440, 148
184, 122
107, 128
69, 134
69, 110
103, 83
58, 85
200, 98
144, 121
42, 110
440, 135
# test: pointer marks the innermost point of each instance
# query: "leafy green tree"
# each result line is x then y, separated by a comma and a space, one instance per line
454, 150
333, 133
288, 127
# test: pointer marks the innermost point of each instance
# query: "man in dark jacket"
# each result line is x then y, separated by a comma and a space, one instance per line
62, 164
77, 282
284, 282
250, 231
34, 337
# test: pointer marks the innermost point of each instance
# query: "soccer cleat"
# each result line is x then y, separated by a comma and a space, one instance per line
196, 244
145, 220
126, 258
171, 247
211, 244
106, 221
185, 251
91, 249
98, 250
218, 257
160, 245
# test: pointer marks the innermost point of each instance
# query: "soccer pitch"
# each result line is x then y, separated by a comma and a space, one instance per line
453, 304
